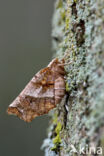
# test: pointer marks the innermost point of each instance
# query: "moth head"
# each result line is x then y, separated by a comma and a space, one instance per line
57, 66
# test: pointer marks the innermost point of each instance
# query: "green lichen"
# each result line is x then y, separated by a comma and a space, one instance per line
57, 139
67, 87
58, 128
59, 4
63, 14
55, 118
56, 142
68, 15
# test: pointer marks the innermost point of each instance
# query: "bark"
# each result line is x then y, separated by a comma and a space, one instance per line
78, 121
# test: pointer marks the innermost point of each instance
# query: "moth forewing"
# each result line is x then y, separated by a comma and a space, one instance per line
42, 93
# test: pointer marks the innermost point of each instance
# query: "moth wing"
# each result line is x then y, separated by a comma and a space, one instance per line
37, 98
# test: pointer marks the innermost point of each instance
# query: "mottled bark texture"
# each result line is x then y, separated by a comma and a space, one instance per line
78, 35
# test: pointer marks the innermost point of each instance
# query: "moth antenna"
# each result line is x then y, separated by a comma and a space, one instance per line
66, 54
65, 64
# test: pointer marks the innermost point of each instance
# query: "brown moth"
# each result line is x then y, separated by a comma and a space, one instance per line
42, 93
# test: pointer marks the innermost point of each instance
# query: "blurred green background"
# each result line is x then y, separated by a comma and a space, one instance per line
25, 48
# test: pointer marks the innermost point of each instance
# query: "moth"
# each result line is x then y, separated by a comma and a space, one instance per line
42, 93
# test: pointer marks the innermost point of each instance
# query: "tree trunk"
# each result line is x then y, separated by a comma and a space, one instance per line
77, 124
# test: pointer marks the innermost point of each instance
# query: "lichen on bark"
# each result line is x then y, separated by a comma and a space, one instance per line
78, 35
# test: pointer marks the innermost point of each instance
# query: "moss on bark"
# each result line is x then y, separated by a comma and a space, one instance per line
78, 35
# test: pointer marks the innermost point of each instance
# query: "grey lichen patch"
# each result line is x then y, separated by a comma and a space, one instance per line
58, 26
78, 36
